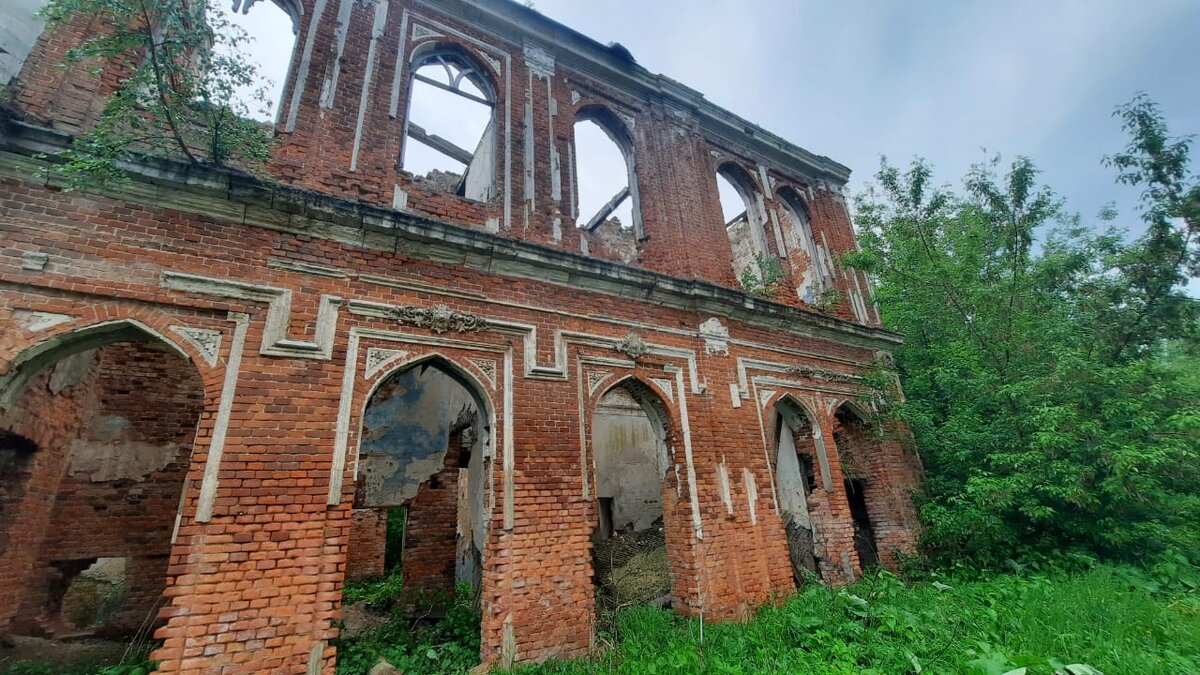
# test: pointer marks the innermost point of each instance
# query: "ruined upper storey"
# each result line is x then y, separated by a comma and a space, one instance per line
497, 99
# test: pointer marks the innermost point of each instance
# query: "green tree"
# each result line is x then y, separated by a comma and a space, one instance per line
1053, 388
180, 92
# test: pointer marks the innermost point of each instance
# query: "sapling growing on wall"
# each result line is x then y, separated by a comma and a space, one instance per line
761, 278
179, 92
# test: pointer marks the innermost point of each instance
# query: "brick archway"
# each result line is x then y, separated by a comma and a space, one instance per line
112, 409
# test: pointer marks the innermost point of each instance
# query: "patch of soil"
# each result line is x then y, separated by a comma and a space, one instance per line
70, 655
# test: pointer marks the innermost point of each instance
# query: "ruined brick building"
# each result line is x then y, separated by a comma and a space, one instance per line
213, 386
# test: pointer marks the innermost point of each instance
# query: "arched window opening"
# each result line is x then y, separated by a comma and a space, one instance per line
810, 259
607, 206
800, 467
742, 211
420, 498
631, 456
95, 447
856, 449
266, 42
450, 129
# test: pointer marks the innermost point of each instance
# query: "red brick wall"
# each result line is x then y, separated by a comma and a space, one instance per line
368, 543
431, 526
891, 473
155, 397
684, 231
258, 585
50, 421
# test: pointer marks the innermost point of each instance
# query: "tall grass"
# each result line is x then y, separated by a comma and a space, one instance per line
1115, 620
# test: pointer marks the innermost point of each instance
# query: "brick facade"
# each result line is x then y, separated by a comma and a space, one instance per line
293, 300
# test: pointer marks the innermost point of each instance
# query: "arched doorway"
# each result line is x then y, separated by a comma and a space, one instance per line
858, 452
420, 499
632, 461
800, 470
96, 438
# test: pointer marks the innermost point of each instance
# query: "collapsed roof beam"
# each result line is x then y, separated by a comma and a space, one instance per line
607, 209
440, 144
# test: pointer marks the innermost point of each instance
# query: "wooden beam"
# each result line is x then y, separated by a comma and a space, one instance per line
607, 210
440, 144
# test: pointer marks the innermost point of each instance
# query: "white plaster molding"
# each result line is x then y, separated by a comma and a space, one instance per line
378, 359
723, 486
562, 339
665, 386
206, 341
216, 444
575, 97
423, 32
279, 309
715, 336
686, 428
306, 268
735, 396
764, 397
381, 11
487, 367
329, 87
539, 60
305, 63
751, 494
491, 60
36, 322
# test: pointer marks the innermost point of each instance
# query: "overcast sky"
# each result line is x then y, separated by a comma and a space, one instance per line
942, 79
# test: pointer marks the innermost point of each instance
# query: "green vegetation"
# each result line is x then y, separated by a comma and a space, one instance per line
1114, 619
135, 663
405, 636
1053, 386
181, 96
763, 277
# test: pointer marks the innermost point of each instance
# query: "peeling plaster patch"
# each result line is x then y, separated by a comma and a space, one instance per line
751, 495
492, 225
723, 485
34, 261
70, 371
35, 322
556, 232
406, 433
205, 340
378, 359
109, 454
848, 567
735, 395
399, 198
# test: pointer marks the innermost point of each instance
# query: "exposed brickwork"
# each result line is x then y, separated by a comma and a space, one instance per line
368, 544
134, 407
255, 585
431, 527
